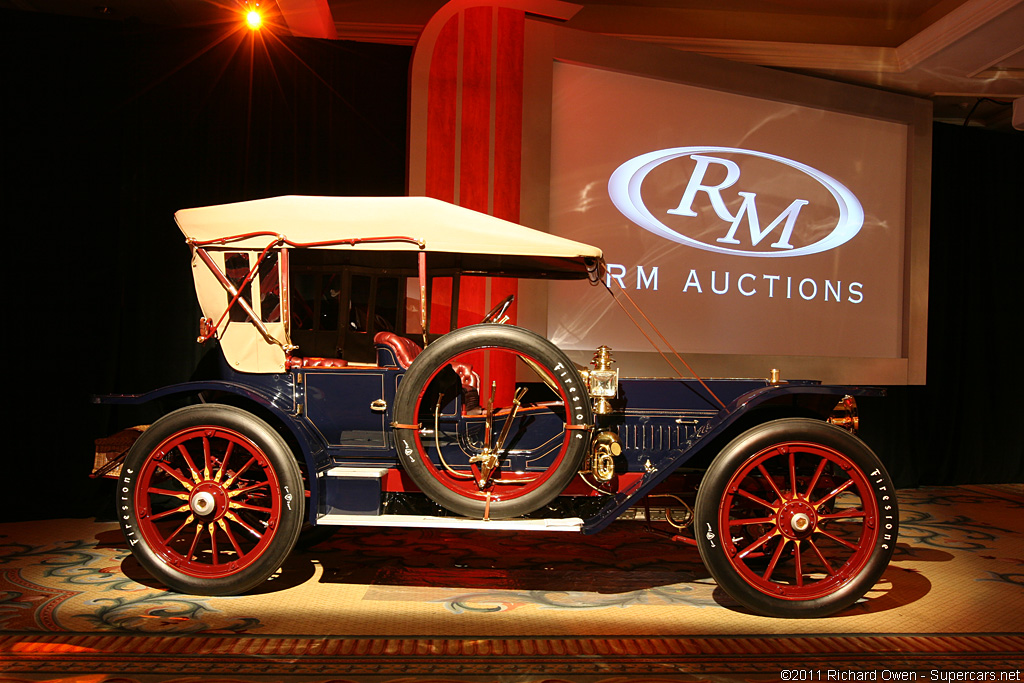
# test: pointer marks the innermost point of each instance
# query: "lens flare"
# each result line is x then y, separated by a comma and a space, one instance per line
253, 19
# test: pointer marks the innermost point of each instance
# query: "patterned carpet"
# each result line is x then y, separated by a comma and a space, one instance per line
441, 605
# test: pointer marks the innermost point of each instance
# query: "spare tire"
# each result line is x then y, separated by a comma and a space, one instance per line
499, 459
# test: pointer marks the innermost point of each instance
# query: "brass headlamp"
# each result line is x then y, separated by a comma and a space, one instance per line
603, 380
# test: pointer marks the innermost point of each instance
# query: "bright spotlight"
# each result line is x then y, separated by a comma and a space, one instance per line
253, 19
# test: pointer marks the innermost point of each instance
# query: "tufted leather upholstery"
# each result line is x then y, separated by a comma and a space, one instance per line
470, 384
393, 350
470, 380
314, 363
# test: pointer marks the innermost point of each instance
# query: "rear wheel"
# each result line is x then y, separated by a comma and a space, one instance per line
500, 450
796, 518
210, 500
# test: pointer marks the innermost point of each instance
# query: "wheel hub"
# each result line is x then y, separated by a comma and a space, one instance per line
208, 500
797, 519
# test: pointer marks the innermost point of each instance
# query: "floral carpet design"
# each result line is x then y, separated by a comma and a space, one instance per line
458, 604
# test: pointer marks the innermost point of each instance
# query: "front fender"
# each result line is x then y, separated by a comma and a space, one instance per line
741, 407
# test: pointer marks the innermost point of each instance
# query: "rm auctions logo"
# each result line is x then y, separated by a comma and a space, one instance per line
626, 183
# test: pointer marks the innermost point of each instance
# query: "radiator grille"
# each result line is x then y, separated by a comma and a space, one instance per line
659, 436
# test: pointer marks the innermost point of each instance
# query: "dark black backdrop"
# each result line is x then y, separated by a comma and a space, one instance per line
965, 425
111, 127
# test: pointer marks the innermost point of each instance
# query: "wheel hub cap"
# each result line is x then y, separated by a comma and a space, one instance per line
207, 500
797, 520
202, 503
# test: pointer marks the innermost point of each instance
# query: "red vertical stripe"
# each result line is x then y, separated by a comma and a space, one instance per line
440, 152
474, 159
508, 122
474, 162
474, 156
467, 150
440, 180
508, 132
441, 305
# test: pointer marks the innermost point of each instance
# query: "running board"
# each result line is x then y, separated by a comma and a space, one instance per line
414, 521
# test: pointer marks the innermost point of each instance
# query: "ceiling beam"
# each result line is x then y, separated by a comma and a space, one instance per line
308, 18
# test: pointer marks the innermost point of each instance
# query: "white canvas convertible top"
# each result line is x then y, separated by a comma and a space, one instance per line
440, 226
458, 238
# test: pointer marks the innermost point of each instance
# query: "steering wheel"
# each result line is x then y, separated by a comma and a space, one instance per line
498, 311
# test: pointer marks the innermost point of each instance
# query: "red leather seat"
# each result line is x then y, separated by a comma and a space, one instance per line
470, 384
315, 363
470, 380
393, 350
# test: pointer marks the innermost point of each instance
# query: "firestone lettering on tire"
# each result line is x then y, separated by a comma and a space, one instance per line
448, 466
245, 484
128, 529
793, 487
889, 525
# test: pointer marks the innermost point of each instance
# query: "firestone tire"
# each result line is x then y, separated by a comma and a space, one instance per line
210, 500
546, 439
796, 518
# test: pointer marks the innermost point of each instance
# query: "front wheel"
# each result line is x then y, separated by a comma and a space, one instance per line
796, 518
210, 500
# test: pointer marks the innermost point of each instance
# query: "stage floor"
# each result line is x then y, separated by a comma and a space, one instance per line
389, 605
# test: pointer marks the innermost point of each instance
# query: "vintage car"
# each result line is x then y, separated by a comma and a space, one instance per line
347, 395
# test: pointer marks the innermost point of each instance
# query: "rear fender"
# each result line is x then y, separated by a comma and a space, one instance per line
274, 405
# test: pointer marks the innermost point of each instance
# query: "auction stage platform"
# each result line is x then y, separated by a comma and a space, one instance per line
388, 605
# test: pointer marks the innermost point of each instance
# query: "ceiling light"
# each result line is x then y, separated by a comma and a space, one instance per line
253, 19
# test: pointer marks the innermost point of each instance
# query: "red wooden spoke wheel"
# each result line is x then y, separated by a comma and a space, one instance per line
797, 518
492, 450
212, 500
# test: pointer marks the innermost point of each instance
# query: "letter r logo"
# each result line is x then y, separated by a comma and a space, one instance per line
714, 192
